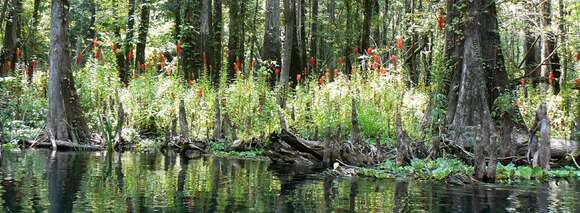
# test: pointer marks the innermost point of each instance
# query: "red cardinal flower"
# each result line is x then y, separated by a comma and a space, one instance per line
142, 67
79, 58
177, 48
552, 77
237, 66
298, 77
34, 63
18, 53
130, 55
277, 71
204, 59
312, 62
383, 71
356, 51
441, 22
98, 54
341, 61
95, 42
369, 51
191, 83
394, 60
376, 59
161, 61
200, 93
523, 82
322, 79
399, 43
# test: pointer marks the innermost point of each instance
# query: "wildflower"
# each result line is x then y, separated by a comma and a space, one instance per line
277, 71
341, 61
369, 51
79, 58
394, 60
95, 42
298, 77
177, 48
552, 77
161, 61
441, 22
383, 71
312, 61
18, 53
142, 67
200, 93
130, 55
399, 43
237, 66
34, 63
376, 59
98, 54
191, 83
522, 82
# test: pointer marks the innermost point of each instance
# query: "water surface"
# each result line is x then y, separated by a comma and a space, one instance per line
38, 181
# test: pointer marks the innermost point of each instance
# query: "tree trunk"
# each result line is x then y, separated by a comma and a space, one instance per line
177, 30
142, 36
564, 43
236, 37
366, 28
191, 58
272, 43
128, 46
314, 29
217, 31
549, 66
497, 79
386, 19
472, 120
65, 118
453, 57
300, 41
8, 56
287, 59
205, 26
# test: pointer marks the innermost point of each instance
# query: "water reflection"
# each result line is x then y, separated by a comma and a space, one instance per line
36, 181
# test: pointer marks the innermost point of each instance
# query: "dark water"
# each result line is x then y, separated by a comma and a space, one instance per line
35, 181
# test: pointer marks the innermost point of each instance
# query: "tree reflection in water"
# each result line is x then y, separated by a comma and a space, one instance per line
36, 181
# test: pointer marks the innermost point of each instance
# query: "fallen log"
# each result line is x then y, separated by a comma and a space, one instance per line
63, 145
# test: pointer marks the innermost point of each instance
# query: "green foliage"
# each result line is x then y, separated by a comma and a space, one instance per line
438, 170
511, 172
